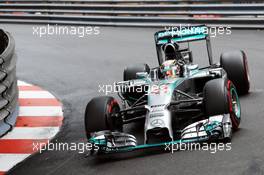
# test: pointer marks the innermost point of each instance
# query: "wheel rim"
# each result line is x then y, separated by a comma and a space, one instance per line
235, 102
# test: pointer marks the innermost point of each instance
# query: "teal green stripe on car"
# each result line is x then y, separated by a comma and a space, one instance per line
144, 146
186, 38
211, 126
185, 31
97, 141
184, 34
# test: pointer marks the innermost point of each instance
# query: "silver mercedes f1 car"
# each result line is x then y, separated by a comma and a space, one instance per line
178, 101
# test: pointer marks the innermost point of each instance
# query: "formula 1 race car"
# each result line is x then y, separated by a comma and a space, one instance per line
178, 101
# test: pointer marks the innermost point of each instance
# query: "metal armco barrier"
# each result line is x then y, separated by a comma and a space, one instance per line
150, 13
129, 1
8, 83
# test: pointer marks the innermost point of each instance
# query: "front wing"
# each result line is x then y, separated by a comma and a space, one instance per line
216, 127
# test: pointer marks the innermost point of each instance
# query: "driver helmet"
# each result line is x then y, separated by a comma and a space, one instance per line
169, 68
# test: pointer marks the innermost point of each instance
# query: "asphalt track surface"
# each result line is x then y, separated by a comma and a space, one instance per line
72, 68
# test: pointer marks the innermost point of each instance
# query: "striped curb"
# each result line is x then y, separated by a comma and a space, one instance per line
39, 120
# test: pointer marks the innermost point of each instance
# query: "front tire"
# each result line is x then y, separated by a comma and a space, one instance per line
220, 97
99, 115
215, 97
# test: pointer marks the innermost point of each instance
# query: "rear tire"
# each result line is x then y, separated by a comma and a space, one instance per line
98, 115
236, 66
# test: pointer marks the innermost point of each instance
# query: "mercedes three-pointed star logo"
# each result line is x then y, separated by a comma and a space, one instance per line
157, 123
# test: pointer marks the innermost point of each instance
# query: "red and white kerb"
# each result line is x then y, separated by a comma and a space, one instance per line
39, 120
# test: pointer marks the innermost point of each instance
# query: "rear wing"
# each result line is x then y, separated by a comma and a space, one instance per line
180, 35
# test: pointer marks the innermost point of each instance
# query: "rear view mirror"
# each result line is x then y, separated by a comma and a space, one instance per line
141, 74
